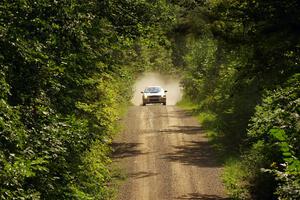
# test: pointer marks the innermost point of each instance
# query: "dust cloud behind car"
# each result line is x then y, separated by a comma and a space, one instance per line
169, 83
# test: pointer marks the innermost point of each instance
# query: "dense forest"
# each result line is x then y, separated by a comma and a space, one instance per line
66, 75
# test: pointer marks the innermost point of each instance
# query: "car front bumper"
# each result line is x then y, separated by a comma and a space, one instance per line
154, 99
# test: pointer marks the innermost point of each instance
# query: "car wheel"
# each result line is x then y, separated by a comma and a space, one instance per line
164, 103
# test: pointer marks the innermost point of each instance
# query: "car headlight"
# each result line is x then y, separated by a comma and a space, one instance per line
145, 97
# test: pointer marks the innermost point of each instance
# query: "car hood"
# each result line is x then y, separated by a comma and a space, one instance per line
154, 94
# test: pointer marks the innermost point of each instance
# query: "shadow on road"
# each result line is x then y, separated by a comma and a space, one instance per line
188, 130
197, 196
124, 150
193, 153
181, 114
139, 175
183, 130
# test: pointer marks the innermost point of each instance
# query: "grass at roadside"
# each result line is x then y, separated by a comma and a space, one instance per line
234, 177
117, 174
207, 119
233, 172
187, 104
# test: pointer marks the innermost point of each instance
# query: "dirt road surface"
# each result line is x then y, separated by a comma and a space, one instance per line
166, 155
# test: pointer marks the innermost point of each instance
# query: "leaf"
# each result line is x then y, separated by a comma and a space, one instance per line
278, 134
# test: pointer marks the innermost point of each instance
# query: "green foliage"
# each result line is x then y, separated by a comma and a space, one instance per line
289, 176
271, 165
276, 122
93, 175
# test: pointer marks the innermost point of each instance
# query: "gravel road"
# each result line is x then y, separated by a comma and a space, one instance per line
165, 155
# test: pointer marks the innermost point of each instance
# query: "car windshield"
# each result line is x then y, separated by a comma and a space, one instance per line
152, 90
